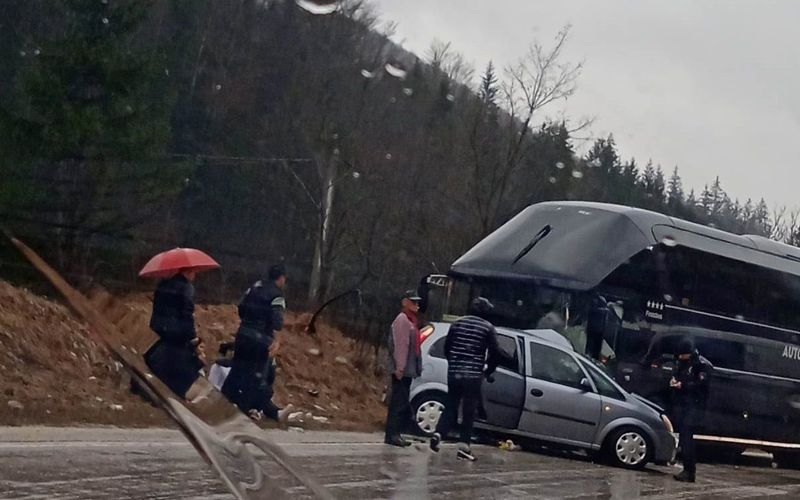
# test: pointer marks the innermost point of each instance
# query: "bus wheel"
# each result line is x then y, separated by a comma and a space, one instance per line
786, 459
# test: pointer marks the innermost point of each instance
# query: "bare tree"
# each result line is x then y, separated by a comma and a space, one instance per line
537, 80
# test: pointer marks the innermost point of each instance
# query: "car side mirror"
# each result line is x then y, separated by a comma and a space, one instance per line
586, 385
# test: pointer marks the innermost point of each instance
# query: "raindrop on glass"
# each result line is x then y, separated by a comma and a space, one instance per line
408, 91
396, 71
668, 297
23, 53
388, 156
218, 87
104, 2
105, 20
336, 152
712, 225
129, 109
597, 163
319, 7
739, 317
367, 74
577, 174
166, 71
519, 303
356, 175
560, 165
553, 180
37, 52
451, 97
335, 136
669, 241
393, 100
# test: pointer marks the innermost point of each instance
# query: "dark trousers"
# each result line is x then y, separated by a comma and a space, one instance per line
688, 448
465, 392
399, 407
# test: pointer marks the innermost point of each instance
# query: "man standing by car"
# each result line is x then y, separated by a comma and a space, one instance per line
691, 387
405, 365
465, 348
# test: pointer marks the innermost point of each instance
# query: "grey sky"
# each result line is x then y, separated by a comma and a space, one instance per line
709, 86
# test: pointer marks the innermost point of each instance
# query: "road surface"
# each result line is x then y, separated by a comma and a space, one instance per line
87, 464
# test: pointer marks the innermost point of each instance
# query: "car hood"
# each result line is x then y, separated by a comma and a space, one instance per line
647, 403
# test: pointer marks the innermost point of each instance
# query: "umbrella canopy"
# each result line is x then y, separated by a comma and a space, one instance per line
169, 263
566, 245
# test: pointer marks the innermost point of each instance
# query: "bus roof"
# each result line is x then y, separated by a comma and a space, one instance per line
575, 245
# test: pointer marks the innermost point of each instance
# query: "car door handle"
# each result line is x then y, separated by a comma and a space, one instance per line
537, 393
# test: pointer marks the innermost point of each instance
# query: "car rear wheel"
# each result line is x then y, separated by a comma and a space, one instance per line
428, 408
629, 447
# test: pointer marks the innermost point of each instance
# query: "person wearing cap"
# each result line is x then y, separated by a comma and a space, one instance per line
249, 385
468, 342
405, 360
690, 387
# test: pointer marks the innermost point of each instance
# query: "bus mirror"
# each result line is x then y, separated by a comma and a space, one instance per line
440, 280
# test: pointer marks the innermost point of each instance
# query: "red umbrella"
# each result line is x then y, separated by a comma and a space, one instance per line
168, 263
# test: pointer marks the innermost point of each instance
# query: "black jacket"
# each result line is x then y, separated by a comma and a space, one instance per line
173, 310
262, 308
695, 378
466, 346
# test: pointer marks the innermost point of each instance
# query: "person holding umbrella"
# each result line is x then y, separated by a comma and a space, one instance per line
174, 357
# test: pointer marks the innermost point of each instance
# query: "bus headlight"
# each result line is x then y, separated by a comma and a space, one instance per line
667, 424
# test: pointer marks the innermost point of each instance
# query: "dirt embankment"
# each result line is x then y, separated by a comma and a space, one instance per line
52, 373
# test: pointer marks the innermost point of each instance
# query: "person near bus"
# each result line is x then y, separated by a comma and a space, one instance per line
466, 346
405, 364
249, 383
690, 387
175, 357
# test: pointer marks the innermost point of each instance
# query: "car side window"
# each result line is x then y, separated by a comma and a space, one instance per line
553, 365
604, 387
437, 349
509, 346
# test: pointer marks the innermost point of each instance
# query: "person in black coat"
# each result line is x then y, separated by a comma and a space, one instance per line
690, 387
174, 357
249, 384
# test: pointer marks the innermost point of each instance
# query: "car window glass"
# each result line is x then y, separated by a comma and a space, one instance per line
437, 349
604, 386
509, 347
553, 365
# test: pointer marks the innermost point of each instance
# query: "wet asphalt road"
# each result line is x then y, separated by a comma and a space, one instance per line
78, 464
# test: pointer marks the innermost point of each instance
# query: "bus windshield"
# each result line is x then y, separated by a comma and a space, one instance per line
529, 306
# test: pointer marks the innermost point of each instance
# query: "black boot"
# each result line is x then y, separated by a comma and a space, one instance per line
685, 477
396, 441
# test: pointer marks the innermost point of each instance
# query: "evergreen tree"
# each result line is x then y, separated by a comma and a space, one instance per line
675, 195
489, 87
90, 111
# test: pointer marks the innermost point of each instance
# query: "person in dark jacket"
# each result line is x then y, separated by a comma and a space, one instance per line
174, 358
405, 364
249, 383
466, 346
690, 387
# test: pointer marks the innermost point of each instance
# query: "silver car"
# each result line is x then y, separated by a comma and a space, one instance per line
549, 394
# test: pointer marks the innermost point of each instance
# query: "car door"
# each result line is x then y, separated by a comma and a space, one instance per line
504, 397
557, 406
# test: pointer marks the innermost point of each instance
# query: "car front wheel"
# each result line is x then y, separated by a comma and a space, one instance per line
428, 408
629, 447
